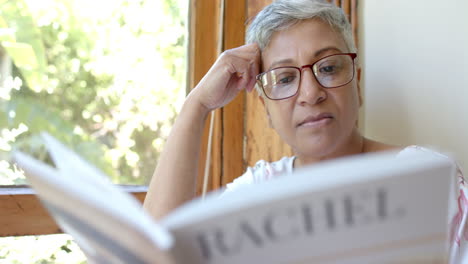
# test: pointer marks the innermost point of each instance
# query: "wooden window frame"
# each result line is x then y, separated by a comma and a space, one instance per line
22, 214
227, 146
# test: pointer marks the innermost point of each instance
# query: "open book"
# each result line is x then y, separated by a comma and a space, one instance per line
377, 208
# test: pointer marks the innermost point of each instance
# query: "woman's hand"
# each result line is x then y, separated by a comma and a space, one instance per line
233, 71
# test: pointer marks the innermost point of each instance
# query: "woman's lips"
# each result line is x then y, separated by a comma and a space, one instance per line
316, 120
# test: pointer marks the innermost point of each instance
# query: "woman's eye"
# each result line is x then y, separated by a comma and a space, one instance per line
286, 80
328, 69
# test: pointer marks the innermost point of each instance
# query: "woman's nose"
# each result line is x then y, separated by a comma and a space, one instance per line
310, 90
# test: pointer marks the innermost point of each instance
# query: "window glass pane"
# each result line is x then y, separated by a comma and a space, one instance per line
40, 249
104, 77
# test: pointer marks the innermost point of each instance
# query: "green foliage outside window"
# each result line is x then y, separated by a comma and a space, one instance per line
105, 77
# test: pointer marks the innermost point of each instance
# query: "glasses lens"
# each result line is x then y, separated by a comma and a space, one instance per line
281, 82
331, 72
334, 71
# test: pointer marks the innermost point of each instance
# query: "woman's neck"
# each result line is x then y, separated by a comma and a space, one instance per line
356, 144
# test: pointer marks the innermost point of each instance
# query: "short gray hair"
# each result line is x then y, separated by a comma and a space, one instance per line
282, 14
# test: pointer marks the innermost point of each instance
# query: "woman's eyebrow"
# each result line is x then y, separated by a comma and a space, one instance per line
316, 55
326, 49
280, 62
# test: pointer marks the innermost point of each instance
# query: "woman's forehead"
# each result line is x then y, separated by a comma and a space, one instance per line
301, 43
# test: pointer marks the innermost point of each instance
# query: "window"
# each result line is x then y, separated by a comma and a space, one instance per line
105, 77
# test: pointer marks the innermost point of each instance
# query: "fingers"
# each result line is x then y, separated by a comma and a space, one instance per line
255, 70
233, 71
243, 65
248, 52
254, 65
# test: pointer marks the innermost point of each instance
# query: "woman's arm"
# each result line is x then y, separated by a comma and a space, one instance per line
174, 180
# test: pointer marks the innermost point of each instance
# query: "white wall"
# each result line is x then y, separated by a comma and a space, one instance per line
414, 57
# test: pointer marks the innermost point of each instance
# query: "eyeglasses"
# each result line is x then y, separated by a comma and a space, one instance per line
330, 72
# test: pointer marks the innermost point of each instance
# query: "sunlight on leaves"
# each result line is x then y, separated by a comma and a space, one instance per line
106, 78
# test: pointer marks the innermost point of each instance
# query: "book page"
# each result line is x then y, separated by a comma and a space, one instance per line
100, 217
375, 209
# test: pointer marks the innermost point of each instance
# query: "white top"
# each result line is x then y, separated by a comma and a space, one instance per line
263, 171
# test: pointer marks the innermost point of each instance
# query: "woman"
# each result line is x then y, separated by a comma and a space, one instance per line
302, 59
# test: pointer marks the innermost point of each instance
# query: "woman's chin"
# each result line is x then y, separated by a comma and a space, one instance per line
315, 148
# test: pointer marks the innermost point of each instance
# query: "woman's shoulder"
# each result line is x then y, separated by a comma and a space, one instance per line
416, 148
458, 225
376, 146
371, 146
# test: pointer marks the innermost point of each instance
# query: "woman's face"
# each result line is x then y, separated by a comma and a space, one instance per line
316, 122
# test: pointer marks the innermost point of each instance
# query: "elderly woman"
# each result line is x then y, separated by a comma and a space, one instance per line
303, 62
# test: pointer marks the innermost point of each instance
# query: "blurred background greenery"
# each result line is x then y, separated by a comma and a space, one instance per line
105, 77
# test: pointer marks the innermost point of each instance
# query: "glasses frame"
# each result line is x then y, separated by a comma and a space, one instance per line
259, 76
